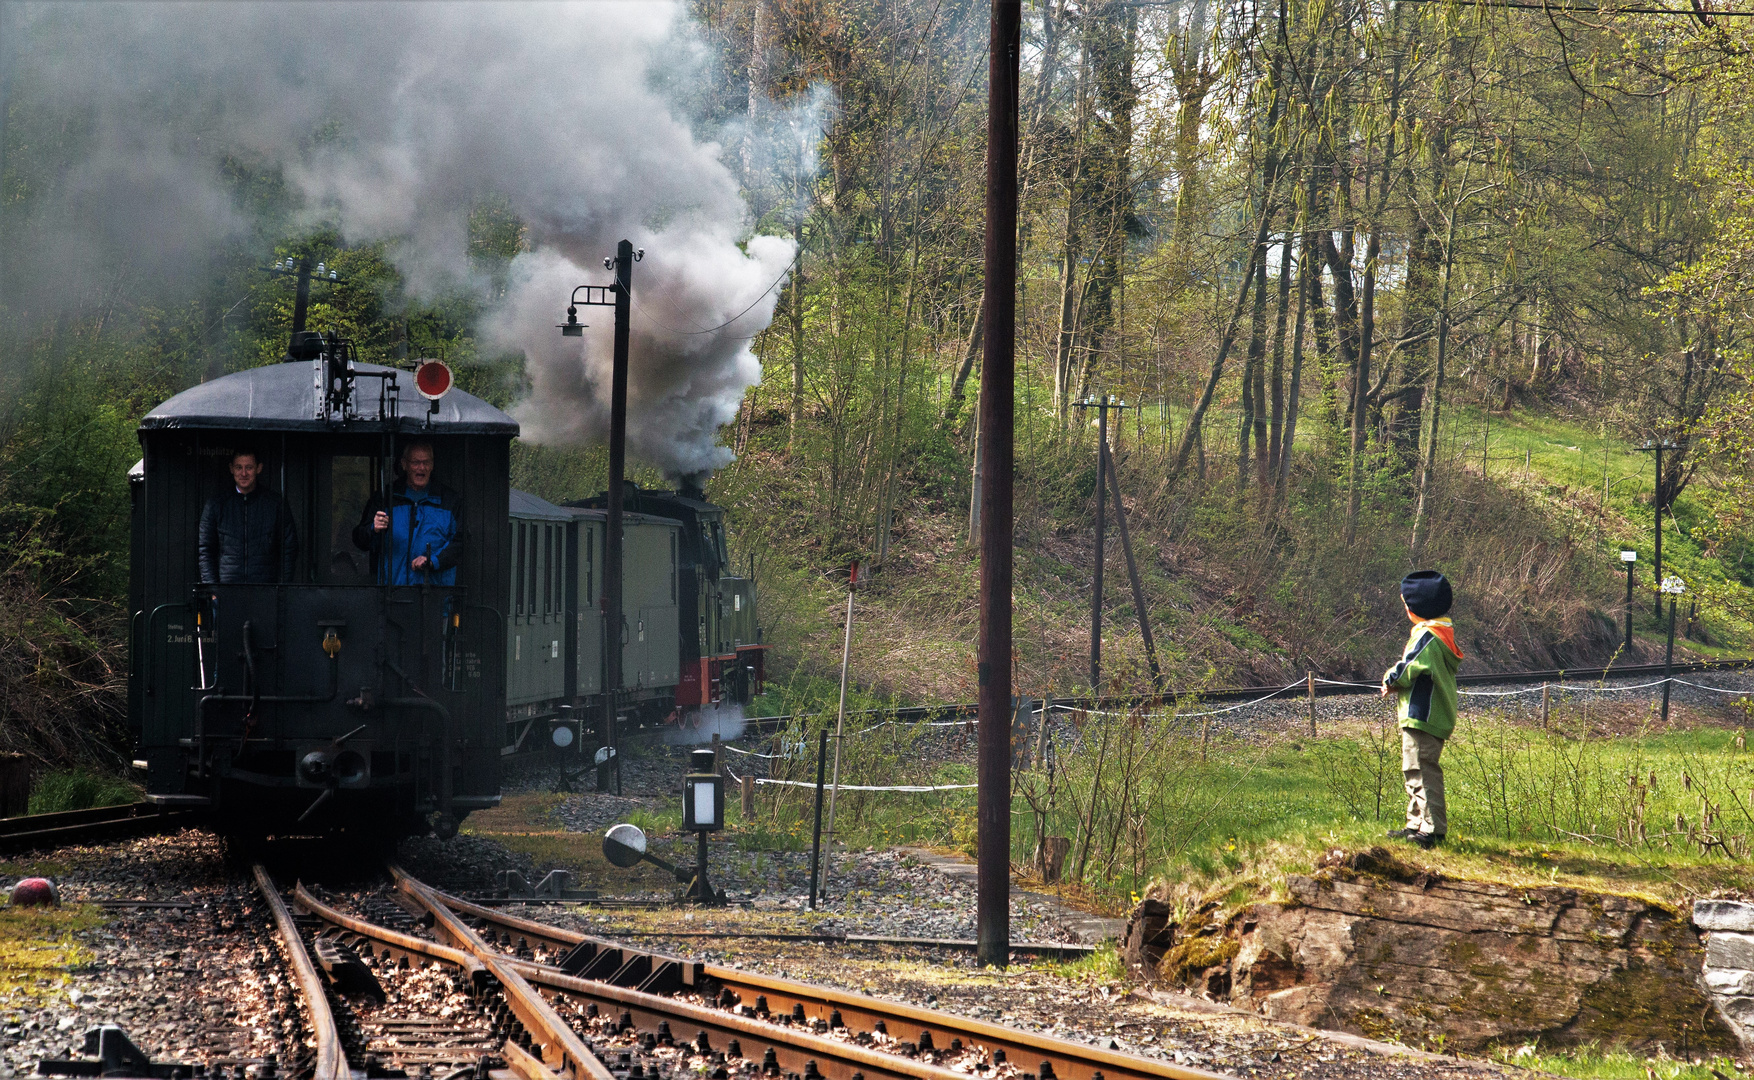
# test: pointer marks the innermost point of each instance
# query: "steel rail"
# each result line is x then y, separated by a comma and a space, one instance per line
402, 946
331, 1060
557, 938
479, 974
561, 1047
98, 823
1065, 1060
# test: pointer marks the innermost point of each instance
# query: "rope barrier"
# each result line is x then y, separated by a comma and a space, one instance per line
1567, 688
1109, 712
751, 753
868, 787
1713, 689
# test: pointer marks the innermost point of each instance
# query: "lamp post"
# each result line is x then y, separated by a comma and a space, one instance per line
1630, 558
618, 294
1657, 446
1673, 588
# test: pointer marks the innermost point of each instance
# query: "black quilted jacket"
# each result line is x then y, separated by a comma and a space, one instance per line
247, 538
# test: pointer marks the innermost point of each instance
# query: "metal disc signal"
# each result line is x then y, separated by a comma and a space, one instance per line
433, 379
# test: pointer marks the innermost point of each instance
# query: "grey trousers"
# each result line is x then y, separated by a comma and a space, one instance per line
1426, 811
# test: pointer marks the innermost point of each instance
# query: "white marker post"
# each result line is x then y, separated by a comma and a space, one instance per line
840, 723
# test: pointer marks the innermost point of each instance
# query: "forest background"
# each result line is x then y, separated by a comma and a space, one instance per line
1381, 285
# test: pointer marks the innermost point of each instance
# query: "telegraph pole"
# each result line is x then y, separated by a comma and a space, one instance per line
1103, 463
300, 271
997, 417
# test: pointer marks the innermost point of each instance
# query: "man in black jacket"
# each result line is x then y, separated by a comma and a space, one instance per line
247, 534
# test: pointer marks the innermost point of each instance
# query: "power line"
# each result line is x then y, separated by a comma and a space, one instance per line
713, 329
1523, 5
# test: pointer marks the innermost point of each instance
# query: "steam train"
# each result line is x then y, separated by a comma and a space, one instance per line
330, 702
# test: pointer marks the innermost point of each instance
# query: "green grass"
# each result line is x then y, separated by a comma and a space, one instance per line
79, 790
1572, 805
1604, 483
1101, 966
1594, 1064
39, 950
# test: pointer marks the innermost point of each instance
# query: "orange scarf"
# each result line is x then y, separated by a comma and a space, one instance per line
1440, 626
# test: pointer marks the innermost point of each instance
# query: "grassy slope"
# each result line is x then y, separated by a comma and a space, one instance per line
1534, 555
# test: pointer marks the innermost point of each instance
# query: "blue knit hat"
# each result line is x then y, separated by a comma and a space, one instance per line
1427, 593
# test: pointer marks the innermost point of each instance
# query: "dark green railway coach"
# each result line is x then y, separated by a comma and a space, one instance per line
323, 700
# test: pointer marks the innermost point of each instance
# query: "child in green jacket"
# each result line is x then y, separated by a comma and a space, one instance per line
1424, 682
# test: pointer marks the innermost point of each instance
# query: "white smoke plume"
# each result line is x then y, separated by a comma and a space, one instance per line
393, 120
725, 719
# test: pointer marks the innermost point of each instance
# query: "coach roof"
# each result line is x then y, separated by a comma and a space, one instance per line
278, 397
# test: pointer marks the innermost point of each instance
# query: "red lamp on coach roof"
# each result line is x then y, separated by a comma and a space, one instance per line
433, 379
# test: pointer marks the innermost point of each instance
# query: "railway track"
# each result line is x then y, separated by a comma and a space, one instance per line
99, 823
567, 1005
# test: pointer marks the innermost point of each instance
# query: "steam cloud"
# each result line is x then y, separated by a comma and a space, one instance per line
393, 120
724, 719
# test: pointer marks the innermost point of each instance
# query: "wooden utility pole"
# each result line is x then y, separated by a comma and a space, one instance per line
1102, 405
997, 417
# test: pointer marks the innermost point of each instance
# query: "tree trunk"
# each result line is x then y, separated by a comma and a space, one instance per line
1361, 382
970, 350
1068, 283
797, 314
1191, 432
1306, 284
1276, 375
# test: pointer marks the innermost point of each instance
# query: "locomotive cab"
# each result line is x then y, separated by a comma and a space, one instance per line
337, 695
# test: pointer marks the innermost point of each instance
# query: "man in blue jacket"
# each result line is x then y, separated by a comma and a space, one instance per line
247, 536
415, 534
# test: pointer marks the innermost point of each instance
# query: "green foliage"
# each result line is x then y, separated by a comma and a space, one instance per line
79, 789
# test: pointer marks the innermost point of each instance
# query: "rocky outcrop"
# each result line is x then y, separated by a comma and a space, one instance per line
1369, 945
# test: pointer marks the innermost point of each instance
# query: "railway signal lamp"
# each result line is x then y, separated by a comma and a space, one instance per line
703, 808
703, 811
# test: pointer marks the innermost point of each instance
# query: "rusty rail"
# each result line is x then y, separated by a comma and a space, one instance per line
611, 973
331, 1060
560, 1046
99, 823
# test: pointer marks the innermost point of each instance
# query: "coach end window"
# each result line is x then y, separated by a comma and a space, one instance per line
351, 481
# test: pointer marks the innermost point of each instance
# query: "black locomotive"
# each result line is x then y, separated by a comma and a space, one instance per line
340, 697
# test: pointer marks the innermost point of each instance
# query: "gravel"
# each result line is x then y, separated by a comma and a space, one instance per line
197, 983
201, 984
